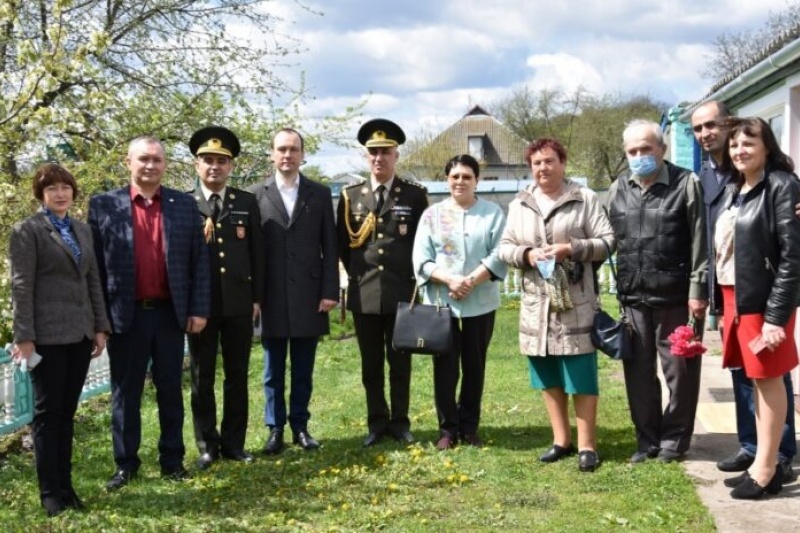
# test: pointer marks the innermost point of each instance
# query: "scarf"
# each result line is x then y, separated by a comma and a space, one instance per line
558, 287
64, 228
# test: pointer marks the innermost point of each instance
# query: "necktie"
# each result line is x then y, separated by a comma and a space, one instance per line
216, 205
379, 190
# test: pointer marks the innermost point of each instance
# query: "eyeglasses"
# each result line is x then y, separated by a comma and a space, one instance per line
710, 125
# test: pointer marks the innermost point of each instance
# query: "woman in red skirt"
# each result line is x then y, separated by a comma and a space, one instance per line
757, 262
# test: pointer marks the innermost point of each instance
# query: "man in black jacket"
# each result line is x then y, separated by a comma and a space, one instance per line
232, 232
659, 222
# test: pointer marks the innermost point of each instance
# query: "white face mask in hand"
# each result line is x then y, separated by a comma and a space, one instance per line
546, 267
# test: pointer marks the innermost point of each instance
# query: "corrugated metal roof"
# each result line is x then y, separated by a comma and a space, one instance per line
779, 41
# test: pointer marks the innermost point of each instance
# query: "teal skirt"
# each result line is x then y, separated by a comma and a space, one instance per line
576, 374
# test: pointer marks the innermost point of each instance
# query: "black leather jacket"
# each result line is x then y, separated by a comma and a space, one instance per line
767, 248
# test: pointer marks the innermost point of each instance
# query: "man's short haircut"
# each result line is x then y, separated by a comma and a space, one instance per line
654, 127
148, 139
51, 174
723, 111
291, 130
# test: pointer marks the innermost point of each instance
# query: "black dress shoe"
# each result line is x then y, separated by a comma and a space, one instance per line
205, 461
750, 490
588, 460
556, 452
178, 473
274, 444
738, 462
305, 440
788, 472
668, 456
405, 436
120, 479
472, 439
239, 455
732, 482
71, 500
54, 505
373, 438
640, 456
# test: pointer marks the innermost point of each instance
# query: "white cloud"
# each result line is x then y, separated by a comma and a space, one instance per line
423, 63
565, 71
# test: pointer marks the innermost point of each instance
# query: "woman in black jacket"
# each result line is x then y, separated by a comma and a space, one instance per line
757, 266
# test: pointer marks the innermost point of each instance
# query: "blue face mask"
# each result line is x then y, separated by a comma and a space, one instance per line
546, 267
643, 165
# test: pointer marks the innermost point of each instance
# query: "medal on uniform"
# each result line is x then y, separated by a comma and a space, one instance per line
240, 232
208, 229
402, 229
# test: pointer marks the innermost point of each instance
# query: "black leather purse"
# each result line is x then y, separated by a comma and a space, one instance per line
612, 337
423, 328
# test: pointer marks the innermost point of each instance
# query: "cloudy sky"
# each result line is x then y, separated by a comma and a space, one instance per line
424, 63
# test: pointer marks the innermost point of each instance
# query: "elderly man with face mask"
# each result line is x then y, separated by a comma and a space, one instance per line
658, 218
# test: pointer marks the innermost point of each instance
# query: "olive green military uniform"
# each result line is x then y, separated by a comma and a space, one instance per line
380, 274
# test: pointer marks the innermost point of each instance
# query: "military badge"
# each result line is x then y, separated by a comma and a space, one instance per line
402, 229
240, 232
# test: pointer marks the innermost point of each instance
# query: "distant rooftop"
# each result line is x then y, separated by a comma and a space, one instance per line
779, 41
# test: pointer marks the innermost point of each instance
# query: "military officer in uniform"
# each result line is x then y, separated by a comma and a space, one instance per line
232, 229
376, 224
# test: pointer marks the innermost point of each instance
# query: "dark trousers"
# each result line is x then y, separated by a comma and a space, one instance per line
374, 333
471, 338
744, 397
670, 428
302, 352
235, 336
57, 384
154, 336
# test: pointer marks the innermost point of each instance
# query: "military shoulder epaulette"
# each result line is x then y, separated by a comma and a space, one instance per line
412, 182
356, 184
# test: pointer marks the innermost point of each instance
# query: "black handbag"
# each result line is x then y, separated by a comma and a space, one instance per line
422, 328
612, 337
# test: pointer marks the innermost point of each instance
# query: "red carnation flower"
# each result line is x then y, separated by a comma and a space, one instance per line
684, 343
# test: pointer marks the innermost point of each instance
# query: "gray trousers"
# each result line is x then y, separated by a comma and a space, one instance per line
667, 428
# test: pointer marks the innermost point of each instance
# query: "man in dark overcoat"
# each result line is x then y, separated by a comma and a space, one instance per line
301, 286
377, 221
232, 233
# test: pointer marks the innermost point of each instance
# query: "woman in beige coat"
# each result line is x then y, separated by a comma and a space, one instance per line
555, 230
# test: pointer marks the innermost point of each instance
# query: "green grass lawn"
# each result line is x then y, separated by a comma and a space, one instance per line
345, 487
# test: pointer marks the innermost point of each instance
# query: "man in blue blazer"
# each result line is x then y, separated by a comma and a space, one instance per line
155, 275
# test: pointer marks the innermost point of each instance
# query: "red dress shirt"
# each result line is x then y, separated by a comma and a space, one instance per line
150, 261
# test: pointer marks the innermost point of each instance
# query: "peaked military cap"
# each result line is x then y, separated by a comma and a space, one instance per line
381, 133
214, 140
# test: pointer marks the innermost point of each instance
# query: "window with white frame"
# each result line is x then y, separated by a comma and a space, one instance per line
475, 145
